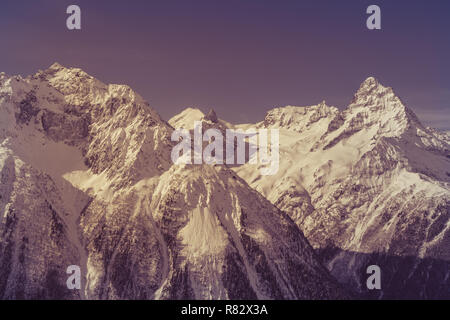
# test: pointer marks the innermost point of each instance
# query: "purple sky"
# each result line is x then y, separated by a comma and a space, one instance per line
241, 57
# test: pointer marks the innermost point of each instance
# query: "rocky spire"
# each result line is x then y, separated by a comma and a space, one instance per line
211, 116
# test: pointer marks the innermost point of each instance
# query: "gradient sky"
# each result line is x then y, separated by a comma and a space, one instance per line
241, 57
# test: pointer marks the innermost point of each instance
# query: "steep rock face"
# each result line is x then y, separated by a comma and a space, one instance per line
39, 237
212, 116
87, 180
186, 118
368, 185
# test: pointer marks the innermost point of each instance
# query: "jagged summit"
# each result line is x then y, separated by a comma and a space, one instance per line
376, 105
298, 118
56, 66
74, 108
370, 81
367, 185
371, 90
211, 116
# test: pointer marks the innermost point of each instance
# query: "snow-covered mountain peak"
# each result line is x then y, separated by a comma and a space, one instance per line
186, 118
59, 71
85, 93
374, 96
377, 107
370, 92
370, 86
68, 106
56, 66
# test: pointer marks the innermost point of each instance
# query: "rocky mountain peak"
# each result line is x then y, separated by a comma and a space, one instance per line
211, 116
186, 118
370, 88
56, 66
298, 118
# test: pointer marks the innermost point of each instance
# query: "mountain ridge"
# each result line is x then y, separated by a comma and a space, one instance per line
368, 184
89, 164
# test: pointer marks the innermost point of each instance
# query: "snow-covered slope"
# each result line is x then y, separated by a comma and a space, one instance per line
87, 180
186, 119
368, 185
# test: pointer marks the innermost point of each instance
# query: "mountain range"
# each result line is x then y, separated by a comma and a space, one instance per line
87, 180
